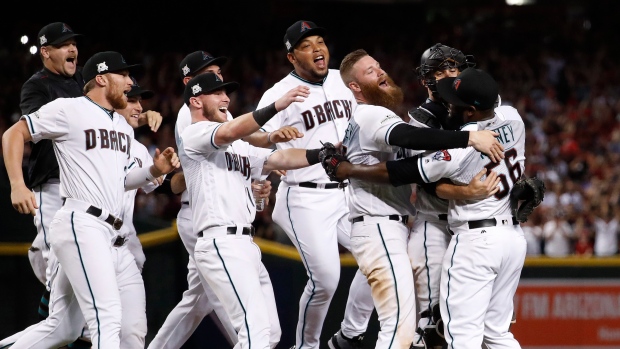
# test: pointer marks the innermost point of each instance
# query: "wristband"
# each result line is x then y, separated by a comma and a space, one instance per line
269, 137
312, 155
261, 116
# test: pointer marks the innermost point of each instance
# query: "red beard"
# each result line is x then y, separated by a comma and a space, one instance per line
388, 98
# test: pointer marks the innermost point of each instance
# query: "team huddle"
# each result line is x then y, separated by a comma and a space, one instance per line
440, 271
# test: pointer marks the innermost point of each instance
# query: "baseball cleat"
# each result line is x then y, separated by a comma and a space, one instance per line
339, 341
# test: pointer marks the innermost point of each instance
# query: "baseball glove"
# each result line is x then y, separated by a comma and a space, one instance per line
529, 190
330, 159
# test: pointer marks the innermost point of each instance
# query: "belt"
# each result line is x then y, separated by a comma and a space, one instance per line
232, 230
115, 222
392, 217
120, 241
491, 222
323, 185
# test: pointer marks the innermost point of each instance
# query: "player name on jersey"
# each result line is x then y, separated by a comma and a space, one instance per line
109, 139
322, 113
235, 162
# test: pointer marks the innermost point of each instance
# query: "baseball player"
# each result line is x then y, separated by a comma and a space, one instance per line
309, 208
65, 321
199, 300
94, 153
219, 167
483, 262
59, 77
379, 212
429, 234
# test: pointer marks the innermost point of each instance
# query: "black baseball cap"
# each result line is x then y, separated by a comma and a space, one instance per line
136, 90
197, 60
472, 87
55, 33
300, 30
204, 83
105, 62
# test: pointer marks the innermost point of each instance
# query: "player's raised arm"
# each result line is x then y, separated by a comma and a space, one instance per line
266, 139
13, 140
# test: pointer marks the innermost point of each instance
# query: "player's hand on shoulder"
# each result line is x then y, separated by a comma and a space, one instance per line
151, 118
285, 134
481, 189
166, 161
297, 94
23, 199
485, 142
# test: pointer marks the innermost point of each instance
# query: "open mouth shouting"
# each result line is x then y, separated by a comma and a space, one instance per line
320, 62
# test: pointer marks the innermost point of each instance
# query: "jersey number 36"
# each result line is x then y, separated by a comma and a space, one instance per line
514, 171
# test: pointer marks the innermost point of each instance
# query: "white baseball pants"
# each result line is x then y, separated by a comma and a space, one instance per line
480, 274
379, 246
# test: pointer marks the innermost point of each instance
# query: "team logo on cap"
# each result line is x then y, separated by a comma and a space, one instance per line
442, 155
101, 67
196, 89
457, 83
205, 56
185, 70
65, 28
305, 26
217, 79
42, 40
288, 45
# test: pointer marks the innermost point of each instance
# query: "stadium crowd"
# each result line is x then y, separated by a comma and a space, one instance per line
564, 82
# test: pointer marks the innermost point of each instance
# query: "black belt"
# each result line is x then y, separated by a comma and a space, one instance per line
392, 217
483, 223
115, 222
233, 231
326, 185
120, 241
443, 217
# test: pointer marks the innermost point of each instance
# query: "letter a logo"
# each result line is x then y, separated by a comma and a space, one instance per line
457, 83
305, 26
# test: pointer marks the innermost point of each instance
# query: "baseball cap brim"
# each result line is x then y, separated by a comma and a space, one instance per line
230, 87
310, 32
220, 61
138, 91
444, 87
62, 39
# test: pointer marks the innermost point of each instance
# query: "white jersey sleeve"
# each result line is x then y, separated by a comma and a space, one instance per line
375, 124
49, 122
200, 139
141, 158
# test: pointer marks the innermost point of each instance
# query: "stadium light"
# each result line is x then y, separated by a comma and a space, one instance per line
519, 2
33, 50
24, 39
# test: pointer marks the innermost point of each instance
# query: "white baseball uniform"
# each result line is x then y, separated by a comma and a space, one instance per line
198, 300
65, 322
379, 233
427, 244
218, 178
312, 210
93, 154
483, 262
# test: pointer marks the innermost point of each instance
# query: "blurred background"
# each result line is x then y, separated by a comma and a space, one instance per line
555, 62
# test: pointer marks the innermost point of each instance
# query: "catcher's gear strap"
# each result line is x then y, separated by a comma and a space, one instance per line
404, 171
312, 155
411, 137
424, 116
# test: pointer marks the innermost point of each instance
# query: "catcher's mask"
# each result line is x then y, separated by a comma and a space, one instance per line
441, 57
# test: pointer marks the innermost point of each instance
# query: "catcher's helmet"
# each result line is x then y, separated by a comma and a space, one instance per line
440, 57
